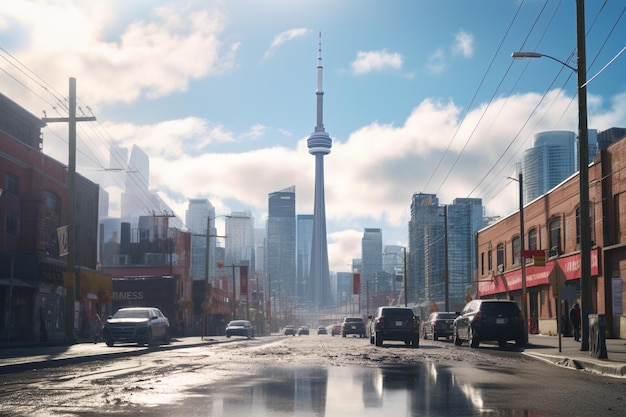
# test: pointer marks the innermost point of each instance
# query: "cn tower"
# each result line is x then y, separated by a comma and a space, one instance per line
319, 144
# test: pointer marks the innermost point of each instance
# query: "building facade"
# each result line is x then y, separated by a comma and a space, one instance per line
280, 248
304, 230
552, 226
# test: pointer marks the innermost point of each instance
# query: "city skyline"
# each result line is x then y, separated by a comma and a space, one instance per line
419, 99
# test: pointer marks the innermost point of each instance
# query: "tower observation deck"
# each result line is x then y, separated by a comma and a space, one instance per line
319, 144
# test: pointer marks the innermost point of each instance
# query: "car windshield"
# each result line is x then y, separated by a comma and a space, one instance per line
132, 314
237, 323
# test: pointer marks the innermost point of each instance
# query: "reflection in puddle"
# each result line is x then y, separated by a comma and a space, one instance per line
424, 390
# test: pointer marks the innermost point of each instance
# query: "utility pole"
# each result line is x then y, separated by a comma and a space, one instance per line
70, 274
446, 271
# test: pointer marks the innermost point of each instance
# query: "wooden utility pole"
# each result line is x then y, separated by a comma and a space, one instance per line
70, 274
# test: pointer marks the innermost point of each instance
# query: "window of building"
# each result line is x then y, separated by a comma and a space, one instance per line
482, 263
11, 224
489, 261
500, 257
11, 184
532, 239
515, 247
52, 201
555, 236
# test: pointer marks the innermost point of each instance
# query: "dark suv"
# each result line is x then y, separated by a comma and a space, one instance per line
490, 320
395, 323
353, 325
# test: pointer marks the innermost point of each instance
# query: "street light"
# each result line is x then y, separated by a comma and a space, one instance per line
583, 161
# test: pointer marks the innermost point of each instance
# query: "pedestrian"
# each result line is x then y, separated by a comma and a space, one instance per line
574, 318
96, 327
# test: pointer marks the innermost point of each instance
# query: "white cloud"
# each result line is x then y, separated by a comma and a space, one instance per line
464, 44
367, 62
437, 62
283, 37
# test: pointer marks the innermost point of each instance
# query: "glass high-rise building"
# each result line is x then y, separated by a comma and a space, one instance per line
304, 230
551, 160
239, 244
280, 248
372, 259
198, 212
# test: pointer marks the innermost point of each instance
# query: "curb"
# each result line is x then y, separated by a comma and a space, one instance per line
604, 368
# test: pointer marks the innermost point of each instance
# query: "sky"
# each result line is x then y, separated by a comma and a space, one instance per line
419, 96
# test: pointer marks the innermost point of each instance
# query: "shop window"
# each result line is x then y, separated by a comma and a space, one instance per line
489, 261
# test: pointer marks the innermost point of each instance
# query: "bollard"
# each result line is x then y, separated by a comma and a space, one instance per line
597, 339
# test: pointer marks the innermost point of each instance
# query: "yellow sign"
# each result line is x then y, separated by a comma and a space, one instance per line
62, 236
539, 260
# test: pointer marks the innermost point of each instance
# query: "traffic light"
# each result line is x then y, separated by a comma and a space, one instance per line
539, 260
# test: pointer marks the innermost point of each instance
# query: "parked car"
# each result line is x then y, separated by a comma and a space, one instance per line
394, 323
439, 324
322, 330
335, 330
490, 320
303, 330
353, 325
290, 330
141, 325
240, 328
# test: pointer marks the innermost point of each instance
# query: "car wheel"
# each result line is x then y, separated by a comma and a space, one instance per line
378, 340
168, 337
435, 336
407, 342
343, 334
109, 342
416, 341
473, 340
457, 339
149, 341
227, 335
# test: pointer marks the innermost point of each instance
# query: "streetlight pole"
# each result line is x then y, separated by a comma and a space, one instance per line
583, 162
446, 271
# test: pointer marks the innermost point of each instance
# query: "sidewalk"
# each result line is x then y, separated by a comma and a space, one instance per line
546, 348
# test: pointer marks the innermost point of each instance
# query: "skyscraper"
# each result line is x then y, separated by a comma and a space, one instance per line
198, 212
280, 249
551, 160
319, 144
239, 245
304, 230
372, 258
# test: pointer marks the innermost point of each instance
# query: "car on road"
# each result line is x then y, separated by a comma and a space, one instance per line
335, 330
439, 324
240, 328
394, 323
290, 330
490, 320
322, 330
353, 325
303, 331
141, 325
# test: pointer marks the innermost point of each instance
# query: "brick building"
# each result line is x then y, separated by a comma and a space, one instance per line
33, 205
551, 223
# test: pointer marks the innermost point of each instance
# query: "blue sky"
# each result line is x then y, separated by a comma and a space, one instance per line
420, 96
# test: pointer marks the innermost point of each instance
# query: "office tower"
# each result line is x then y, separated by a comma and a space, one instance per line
319, 144
239, 246
609, 136
465, 219
260, 235
304, 230
372, 260
425, 224
551, 160
393, 265
280, 247
197, 215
